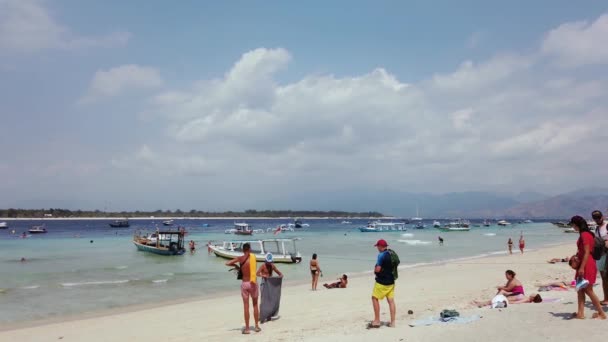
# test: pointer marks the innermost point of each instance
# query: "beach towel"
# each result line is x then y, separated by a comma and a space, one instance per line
253, 268
450, 320
271, 298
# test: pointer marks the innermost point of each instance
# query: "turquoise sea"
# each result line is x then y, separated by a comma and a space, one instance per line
65, 273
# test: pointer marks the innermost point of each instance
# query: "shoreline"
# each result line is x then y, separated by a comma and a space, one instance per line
134, 308
188, 218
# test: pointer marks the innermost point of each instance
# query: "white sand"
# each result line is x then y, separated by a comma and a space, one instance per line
341, 314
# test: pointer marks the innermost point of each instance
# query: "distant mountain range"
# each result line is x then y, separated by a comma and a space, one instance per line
462, 204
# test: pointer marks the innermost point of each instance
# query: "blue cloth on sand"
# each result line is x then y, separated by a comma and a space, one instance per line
450, 320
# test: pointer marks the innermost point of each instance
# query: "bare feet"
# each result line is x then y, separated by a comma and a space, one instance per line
604, 302
391, 325
575, 315
257, 329
598, 315
246, 331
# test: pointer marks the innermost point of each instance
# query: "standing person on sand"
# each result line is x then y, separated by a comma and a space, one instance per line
522, 242
510, 244
587, 269
249, 288
602, 232
384, 286
315, 271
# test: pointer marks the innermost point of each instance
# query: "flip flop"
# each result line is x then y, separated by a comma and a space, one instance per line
370, 325
257, 329
246, 332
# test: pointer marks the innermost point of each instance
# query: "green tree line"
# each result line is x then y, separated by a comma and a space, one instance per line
56, 212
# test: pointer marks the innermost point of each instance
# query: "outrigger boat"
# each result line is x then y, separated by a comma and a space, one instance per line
456, 226
240, 229
161, 242
260, 248
375, 227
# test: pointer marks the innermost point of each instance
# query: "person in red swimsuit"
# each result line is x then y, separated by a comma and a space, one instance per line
522, 243
587, 268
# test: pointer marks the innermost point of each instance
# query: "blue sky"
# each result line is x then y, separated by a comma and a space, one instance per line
151, 104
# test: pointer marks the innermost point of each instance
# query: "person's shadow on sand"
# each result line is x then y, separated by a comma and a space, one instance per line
563, 315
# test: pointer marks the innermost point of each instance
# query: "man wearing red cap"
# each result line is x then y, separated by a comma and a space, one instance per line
385, 284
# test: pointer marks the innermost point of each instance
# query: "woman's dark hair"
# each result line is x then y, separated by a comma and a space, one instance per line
537, 299
581, 223
314, 256
511, 273
344, 276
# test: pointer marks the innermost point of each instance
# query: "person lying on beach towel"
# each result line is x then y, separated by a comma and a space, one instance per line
555, 286
340, 284
501, 301
556, 260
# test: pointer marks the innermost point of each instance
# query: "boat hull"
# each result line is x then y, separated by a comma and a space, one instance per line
375, 230
36, 232
456, 229
159, 251
243, 233
284, 259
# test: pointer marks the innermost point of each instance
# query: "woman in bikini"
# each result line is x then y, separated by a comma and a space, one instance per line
342, 283
510, 244
315, 271
513, 289
522, 243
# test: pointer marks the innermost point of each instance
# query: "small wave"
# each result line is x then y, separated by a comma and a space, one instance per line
407, 235
121, 267
31, 287
158, 281
415, 242
107, 282
489, 234
169, 274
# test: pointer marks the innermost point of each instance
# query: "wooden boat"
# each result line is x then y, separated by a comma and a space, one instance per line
280, 249
120, 224
456, 226
161, 242
37, 230
242, 229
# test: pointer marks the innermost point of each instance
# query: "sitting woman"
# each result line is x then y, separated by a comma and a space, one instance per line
340, 284
513, 289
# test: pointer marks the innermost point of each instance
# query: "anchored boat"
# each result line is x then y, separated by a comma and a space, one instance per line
161, 242
283, 250
375, 227
37, 230
120, 224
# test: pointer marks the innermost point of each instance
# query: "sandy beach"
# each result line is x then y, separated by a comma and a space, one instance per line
342, 314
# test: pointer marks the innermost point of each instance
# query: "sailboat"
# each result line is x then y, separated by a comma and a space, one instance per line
417, 218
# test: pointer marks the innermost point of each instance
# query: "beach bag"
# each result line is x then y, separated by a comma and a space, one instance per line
394, 263
449, 313
599, 246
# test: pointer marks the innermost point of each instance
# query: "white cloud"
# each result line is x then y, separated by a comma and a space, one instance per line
470, 76
578, 43
320, 128
26, 26
117, 80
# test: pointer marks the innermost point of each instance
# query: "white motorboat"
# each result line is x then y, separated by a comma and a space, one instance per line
456, 226
282, 250
436, 224
3, 225
503, 223
378, 226
37, 230
168, 222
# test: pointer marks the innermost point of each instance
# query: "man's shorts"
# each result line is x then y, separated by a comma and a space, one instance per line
249, 289
381, 291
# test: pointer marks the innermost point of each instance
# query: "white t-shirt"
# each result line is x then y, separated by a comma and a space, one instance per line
499, 301
603, 231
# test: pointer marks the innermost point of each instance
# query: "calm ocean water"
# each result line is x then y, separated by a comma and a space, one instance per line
67, 274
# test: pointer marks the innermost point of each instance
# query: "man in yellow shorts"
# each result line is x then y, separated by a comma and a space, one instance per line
384, 286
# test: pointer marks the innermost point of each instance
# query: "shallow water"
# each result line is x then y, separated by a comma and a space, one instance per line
66, 274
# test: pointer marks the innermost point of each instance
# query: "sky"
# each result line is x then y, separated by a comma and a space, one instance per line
231, 105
